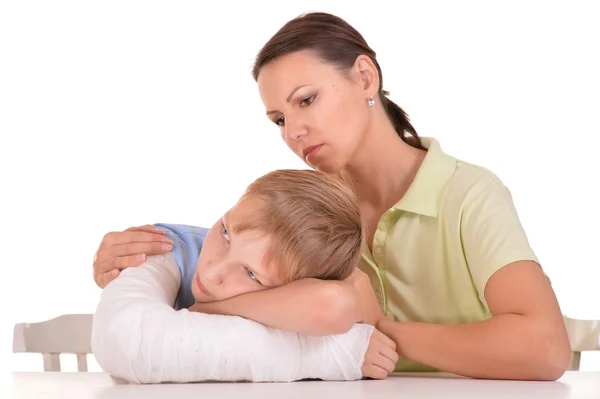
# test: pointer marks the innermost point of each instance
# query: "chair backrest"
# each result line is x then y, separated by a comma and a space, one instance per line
584, 335
70, 333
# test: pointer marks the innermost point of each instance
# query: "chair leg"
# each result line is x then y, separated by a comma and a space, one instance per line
82, 362
51, 362
575, 361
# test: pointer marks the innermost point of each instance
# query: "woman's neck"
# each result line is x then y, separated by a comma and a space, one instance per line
383, 167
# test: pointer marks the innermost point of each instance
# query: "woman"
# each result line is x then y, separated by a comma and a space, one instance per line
461, 289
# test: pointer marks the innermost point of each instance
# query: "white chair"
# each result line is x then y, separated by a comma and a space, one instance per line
70, 333
584, 335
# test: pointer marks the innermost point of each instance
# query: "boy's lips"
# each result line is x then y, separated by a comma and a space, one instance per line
201, 286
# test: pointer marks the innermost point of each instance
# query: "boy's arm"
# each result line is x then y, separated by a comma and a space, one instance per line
307, 306
138, 336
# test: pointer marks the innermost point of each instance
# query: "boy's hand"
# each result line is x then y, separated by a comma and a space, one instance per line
380, 357
368, 308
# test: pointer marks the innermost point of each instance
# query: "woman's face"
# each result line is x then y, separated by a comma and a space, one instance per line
322, 112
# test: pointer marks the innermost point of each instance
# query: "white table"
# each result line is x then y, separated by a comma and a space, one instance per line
580, 385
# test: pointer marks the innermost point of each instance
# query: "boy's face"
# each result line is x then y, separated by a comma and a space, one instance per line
231, 264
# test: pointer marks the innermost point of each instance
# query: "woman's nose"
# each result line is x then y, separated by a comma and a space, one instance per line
294, 130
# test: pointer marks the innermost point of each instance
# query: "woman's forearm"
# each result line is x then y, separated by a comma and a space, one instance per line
307, 306
507, 346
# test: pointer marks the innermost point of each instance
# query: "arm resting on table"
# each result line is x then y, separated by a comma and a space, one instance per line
138, 336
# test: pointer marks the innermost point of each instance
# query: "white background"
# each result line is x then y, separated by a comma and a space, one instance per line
120, 113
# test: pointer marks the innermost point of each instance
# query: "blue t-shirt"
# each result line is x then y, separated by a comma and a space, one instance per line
187, 244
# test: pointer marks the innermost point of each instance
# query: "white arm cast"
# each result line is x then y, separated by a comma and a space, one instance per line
138, 336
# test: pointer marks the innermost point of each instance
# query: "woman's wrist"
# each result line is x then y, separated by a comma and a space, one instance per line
382, 324
393, 330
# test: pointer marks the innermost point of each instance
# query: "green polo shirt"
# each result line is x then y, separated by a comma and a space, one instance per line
435, 249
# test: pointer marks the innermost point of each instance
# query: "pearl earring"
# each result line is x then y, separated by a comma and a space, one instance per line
371, 101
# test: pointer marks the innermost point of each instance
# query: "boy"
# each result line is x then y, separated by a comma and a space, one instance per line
289, 227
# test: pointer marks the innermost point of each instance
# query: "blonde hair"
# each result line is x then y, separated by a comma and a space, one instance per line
312, 220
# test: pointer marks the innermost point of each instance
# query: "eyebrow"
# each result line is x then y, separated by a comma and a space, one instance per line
230, 229
289, 97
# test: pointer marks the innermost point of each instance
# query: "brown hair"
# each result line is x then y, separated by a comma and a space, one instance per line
337, 42
312, 220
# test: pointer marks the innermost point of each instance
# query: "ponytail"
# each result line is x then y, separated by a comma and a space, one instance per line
401, 122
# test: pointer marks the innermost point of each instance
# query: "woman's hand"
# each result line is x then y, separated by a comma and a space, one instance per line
380, 357
368, 308
122, 249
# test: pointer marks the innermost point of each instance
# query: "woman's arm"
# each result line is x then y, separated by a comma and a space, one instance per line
525, 339
138, 336
122, 249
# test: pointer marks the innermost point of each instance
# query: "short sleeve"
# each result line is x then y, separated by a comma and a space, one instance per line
492, 234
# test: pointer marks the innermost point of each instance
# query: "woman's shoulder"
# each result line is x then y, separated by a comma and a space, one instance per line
469, 173
452, 177
472, 184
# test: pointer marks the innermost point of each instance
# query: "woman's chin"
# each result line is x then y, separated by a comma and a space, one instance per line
326, 167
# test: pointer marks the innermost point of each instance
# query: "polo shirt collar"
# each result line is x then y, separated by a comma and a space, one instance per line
424, 194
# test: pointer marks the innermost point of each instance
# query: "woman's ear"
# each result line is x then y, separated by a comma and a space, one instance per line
367, 71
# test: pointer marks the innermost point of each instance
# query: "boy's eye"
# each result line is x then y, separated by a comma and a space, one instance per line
252, 275
225, 232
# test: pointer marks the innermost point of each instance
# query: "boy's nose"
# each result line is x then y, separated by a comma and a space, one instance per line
214, 273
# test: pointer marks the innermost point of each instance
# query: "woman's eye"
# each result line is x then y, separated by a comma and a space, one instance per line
307, 101
280, 122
